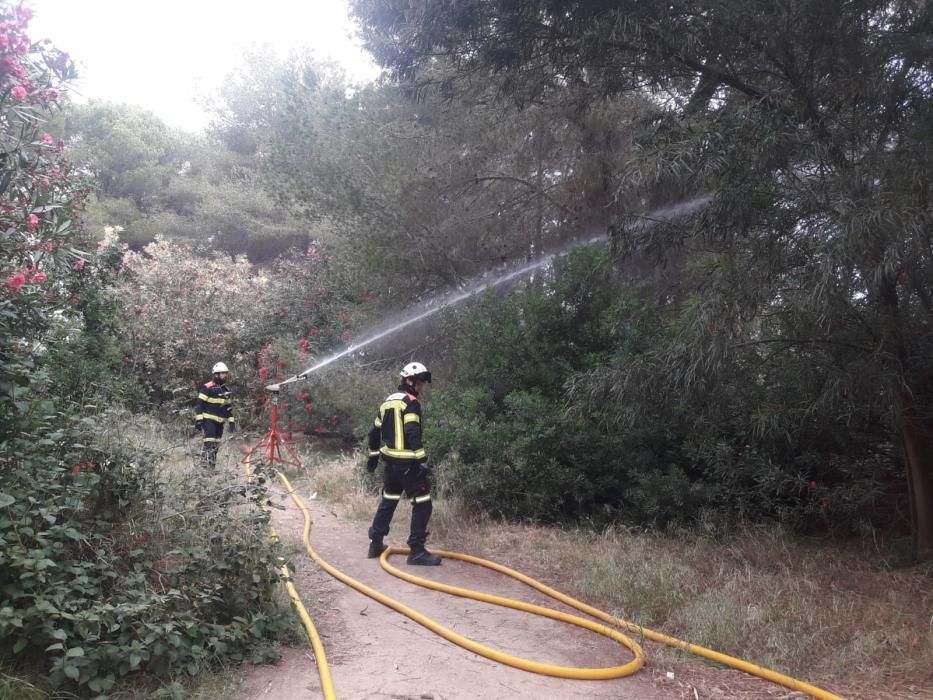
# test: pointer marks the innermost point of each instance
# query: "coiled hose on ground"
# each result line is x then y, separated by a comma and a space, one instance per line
611, 629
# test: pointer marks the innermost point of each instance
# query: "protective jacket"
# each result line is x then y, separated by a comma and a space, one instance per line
396, 432
214, 404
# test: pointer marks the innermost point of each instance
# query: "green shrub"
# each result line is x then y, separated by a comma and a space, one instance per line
96, 582
558, 404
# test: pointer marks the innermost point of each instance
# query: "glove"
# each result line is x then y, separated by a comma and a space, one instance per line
198, 426
232, 428
425, 468
371, 464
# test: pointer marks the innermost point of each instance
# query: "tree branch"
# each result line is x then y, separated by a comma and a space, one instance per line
530, 185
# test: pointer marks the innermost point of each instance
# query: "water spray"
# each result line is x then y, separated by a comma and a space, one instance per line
480, 284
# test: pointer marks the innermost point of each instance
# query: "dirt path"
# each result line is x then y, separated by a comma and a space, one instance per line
375, 652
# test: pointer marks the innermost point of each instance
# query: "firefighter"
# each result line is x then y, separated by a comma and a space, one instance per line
396, 437
214, 409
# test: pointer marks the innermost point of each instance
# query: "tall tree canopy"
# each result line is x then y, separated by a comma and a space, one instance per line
808, 122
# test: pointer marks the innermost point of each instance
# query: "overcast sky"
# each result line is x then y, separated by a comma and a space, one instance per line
166, 54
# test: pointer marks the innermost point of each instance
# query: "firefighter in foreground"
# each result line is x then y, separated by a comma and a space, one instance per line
215, 408
396, 437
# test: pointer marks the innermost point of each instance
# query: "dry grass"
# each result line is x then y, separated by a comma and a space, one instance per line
336, 477
819, 611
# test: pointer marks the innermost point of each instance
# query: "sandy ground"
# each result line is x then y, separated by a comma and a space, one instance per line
375, 652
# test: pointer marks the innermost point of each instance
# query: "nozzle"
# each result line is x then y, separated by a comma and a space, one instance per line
274, 388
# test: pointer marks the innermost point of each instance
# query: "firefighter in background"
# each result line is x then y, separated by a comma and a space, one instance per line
214, 409
396, 437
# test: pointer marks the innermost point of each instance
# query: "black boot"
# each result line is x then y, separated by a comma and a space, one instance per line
376, 548
419, 556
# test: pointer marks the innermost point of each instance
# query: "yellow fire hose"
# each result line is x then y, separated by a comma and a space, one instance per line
537, 667
327, 683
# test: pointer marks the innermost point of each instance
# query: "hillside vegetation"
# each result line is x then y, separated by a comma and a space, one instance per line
762, 358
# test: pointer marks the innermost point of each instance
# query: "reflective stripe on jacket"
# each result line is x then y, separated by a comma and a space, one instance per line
214, 403
396, 431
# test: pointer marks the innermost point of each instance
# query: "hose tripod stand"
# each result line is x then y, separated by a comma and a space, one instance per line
272, 444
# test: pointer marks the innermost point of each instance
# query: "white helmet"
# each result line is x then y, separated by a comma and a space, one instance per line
416, 370
220, 367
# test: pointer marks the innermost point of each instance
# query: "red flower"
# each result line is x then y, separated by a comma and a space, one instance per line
346, 335
312, 330
262, 373
18, 92
33, 222
333, 420
79, 265
16, 281
812, 484
39, 277
310, 407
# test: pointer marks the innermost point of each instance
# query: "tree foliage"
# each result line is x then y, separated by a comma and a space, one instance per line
806, 121
84, 541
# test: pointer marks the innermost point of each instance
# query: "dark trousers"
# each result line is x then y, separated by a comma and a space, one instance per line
403, 477
213, 431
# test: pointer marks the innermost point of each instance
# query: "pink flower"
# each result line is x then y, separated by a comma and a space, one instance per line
39, 277
48, 140
33, 222
312, 330
16, 281
310, 407
263, 373
346, 335
18, 93
80, 265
